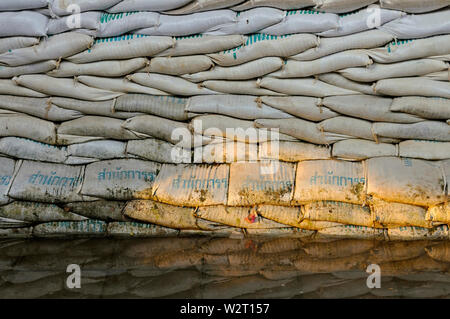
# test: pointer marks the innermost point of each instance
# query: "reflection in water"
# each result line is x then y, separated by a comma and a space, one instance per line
223, 268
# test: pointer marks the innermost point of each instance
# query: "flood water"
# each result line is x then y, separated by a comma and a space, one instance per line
223, 268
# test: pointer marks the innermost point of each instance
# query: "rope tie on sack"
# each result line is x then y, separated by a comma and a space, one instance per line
58, 63
113, 106
374, 135
259, 102
318, 44
258, 82
319, 104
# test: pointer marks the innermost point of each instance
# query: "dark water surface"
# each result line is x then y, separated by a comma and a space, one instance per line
223, 268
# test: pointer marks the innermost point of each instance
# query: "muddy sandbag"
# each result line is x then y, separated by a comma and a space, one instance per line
54, 48
159, 151
241, 217
263, 45
101, 68
39, 107
304, 86
429, 150
357, 149
91, 228
121, 179
261, 183
352, 232
25, 232
418, 233
329, 180
28, 127
123, 47
372, 108
427, 107
405, 180
338, 212
304, 107
7, 72
64, 87
292, 151
6, 174
47, 183
440, 252
413, 86
192, 185
391, 215
99, 210
10, 87
439, 213
133, 229
37, 212
22, 148
426, 130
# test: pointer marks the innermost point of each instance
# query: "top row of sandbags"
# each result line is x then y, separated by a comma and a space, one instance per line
62, 8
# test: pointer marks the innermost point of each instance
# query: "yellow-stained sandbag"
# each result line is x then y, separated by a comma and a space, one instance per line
338, 212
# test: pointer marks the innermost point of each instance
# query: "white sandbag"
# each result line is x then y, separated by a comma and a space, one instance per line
362, 40
411, 49
90, 228
6, 175
440, 213
23, 23
123, 47
308, 87
356, 150
103, 108
242, 107
170, 84
13, 43
121, 179
429, 150
419, 26
103, 68
300, 106
379, 71
256, 183
67, 7
159, 128
39, 107
159, 151
390, 214
64, 87
292, 151
333, 62
251, 21
75, 160
283, 4
408, 181
338, 212
339, 81
37, 212
115, 24
352, 232
303, 21
245, 71
427, 130
31, 150
339, 6
54, 48
16, 5
28, 127
192, 185
262, 45
108, 149
413, 86
430, 108
303, 130
47, 183
348, 126
250, 87
372, 108
414, 6
179, 65
85, 21
97, 126
439, 76
7, 72
10, 87
203, 44
418, 233
164, 106
326, 180
122, 85
204, 5
189, 24
144, 5
362, 20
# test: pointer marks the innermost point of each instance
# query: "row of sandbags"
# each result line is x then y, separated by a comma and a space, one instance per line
227, 22
223, 268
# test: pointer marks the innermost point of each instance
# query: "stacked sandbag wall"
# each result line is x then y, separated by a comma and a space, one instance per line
225, 118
